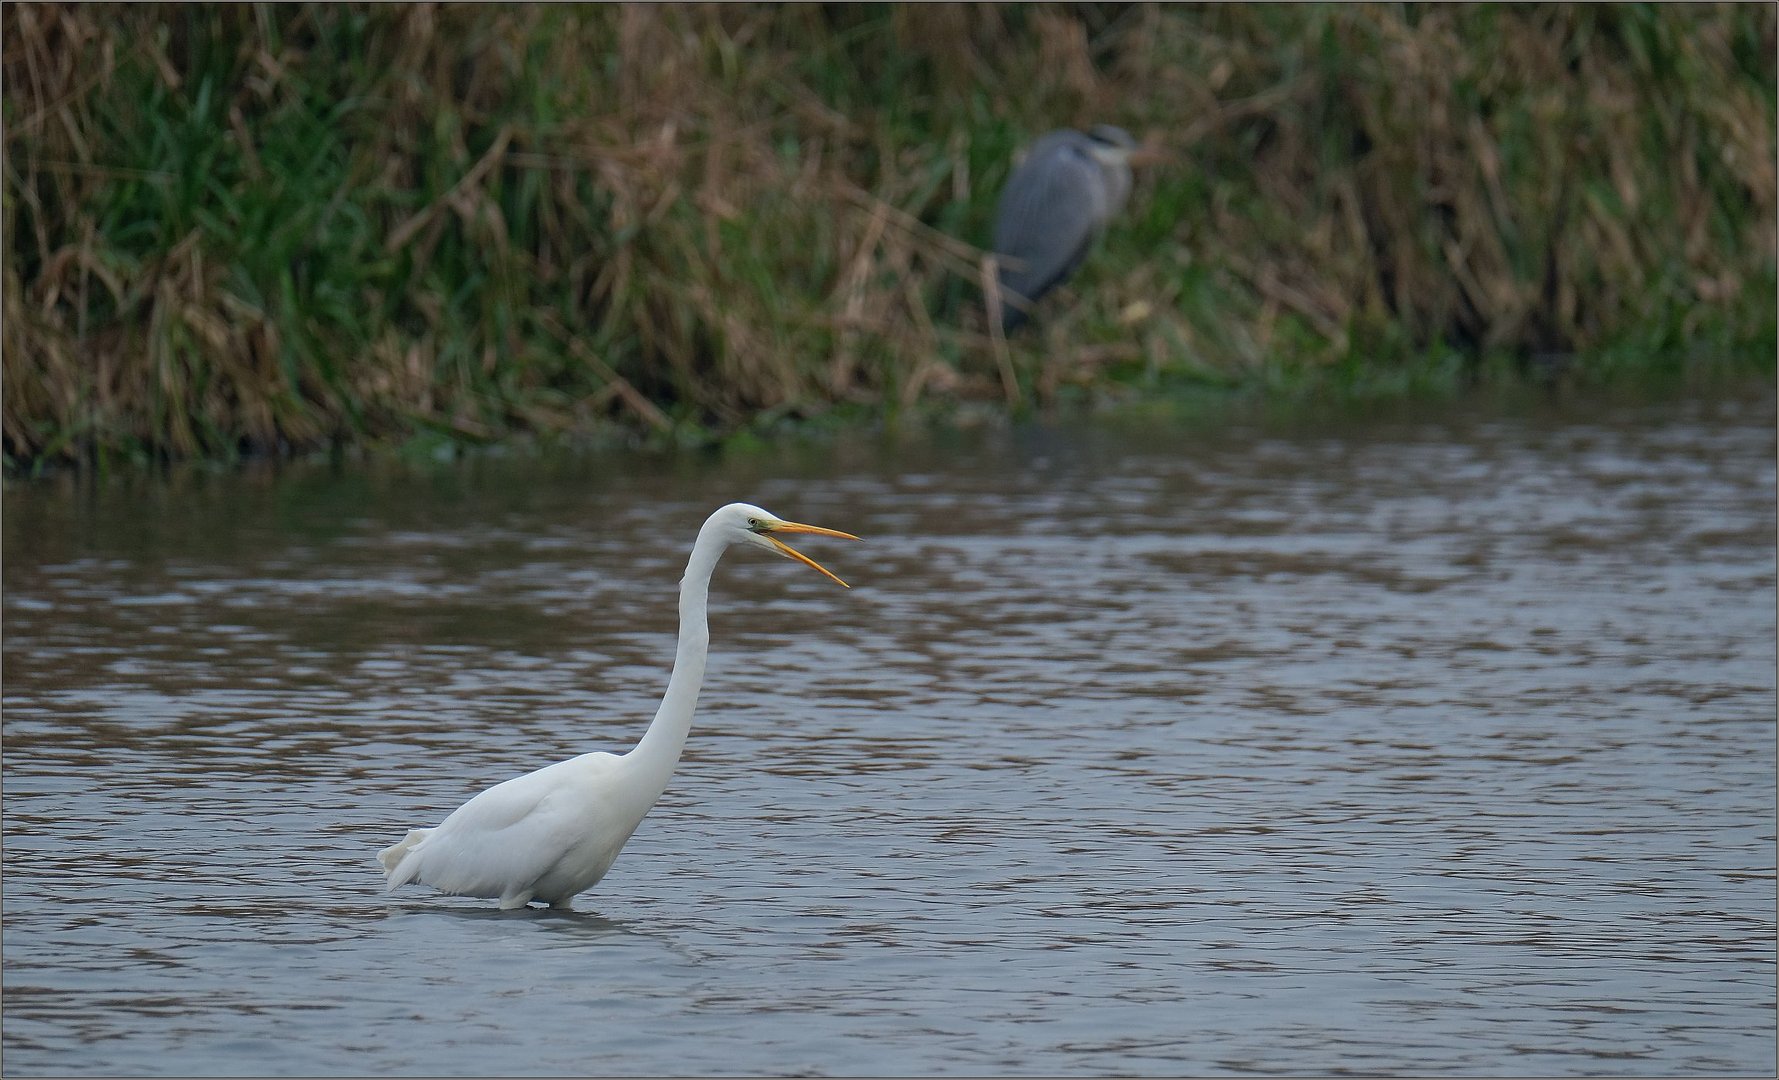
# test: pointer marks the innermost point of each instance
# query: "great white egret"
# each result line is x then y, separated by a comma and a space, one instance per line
552, 834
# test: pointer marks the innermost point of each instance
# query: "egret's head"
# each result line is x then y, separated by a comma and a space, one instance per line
744, 523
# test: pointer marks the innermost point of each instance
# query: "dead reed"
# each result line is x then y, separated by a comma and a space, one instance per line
266, 228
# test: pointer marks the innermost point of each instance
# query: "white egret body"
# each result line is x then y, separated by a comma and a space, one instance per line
552, 834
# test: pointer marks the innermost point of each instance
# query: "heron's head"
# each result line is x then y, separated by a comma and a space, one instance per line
1115, 146
744, 523
1112, 137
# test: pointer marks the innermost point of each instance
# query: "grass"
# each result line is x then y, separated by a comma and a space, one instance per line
266, 229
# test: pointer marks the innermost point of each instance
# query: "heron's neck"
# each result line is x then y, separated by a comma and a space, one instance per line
658, 752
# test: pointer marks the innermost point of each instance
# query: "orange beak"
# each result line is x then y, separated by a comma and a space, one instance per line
790, 552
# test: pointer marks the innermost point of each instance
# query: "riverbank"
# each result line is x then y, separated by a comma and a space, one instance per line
270, 230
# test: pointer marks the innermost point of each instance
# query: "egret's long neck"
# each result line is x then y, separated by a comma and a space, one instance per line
658, 752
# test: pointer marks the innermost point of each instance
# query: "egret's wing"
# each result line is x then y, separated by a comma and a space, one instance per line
515, 832
1048, 214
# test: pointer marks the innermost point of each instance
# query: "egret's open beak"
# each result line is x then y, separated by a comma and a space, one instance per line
790, 552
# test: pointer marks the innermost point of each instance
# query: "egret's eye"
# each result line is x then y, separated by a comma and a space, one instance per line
755, 525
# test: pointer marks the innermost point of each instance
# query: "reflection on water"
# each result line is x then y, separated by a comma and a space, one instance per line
1433, 745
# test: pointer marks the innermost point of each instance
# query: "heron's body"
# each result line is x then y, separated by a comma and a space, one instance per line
1055, 205
552, 834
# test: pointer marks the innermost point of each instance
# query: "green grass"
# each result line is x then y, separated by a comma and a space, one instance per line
268, 229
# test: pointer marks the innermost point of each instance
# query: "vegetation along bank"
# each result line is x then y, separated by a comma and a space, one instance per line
275, 228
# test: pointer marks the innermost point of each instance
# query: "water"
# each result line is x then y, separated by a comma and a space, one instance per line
1434, 744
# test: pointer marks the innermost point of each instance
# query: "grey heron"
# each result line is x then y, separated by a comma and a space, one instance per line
1055, 205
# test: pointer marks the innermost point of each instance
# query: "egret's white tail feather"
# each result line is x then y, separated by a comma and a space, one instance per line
397, 865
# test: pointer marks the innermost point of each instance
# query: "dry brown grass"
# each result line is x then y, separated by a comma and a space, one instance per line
269, 227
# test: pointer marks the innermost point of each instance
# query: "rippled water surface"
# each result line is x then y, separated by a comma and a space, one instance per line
1438, 743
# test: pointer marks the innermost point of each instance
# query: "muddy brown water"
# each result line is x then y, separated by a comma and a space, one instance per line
1440, 742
